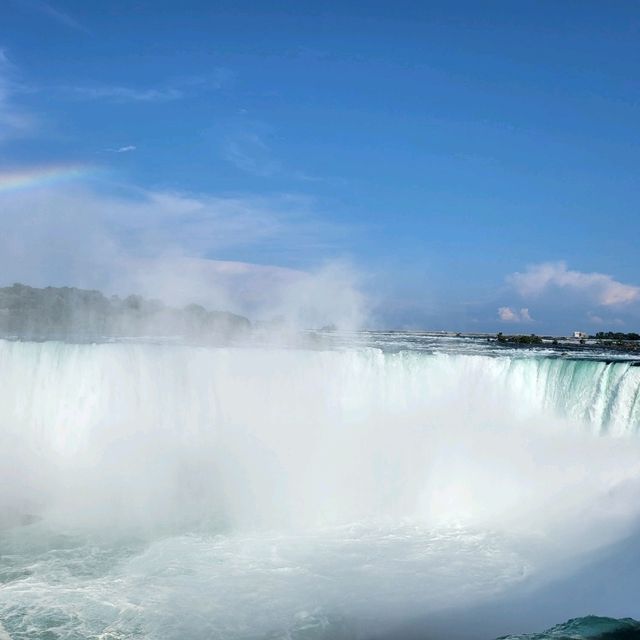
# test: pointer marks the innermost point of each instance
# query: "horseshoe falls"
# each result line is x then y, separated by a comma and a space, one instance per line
163, 491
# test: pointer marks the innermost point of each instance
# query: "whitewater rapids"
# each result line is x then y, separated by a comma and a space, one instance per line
165, 491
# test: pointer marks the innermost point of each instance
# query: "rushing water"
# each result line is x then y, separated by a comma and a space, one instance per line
587, 627
166, 491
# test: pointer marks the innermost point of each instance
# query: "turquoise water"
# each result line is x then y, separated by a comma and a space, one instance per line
587, 628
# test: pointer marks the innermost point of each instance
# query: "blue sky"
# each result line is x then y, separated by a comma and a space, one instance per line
467, 167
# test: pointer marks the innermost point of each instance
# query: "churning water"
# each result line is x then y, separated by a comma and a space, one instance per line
165, 491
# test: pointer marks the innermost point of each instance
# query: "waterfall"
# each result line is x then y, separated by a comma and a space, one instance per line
236, 492
264, 436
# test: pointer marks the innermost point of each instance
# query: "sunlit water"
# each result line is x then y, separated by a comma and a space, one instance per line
166, 491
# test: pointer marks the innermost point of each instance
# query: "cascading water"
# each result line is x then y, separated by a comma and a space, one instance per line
251, 493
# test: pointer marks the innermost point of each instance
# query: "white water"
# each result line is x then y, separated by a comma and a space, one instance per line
246, 493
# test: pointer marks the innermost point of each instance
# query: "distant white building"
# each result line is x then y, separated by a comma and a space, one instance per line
580, 335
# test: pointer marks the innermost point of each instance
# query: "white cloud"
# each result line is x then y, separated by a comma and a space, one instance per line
125, 149
508, 314
161, 222
600, 288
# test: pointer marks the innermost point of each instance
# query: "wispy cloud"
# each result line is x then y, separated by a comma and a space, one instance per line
125, 149
595, 318
155, 222
509, 314
248, 151
14, 121
600, 288
61, 17
247, 148
125, 94
176, 89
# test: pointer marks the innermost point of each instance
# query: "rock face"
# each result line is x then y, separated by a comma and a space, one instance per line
67, 313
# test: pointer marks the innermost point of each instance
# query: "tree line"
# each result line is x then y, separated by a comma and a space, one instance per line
71, 313
610, 335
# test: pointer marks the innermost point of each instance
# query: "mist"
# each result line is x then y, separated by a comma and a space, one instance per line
172, 247
289, 491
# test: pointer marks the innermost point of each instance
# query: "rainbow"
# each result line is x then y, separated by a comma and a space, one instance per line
36, 177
